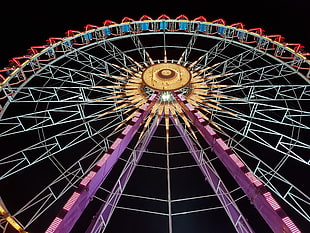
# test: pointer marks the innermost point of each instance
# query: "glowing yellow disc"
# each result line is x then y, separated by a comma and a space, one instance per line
166, 76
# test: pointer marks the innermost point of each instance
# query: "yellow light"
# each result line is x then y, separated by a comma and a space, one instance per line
3, 211
14, 224
166, 96
166, 76
6, 215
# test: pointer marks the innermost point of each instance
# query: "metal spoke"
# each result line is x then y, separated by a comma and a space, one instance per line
68, 179
258, 133
215, 52
189, 47
121, 57
23, 159
272, 177
82, 110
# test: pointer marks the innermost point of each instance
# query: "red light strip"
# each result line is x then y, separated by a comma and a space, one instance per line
222, 144
253, 179
71, 201
289, 223
210, 130
237, 161
116, 143
274, 204
190, 107
88, 178
102, 161
127, 129
54, 225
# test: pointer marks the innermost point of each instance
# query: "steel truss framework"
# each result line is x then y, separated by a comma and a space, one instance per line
64, 96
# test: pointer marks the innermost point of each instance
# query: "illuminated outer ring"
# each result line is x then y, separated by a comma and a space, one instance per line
166, 76
23, 67
265, 104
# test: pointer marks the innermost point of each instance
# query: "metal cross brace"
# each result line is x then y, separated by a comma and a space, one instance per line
87, 188
239, 221
106, 210
259, 196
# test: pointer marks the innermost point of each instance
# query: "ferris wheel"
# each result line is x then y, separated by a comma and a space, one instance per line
163, 119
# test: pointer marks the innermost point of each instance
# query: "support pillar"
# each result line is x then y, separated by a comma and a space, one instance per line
87, 188
106, 210
258, 194
239, 221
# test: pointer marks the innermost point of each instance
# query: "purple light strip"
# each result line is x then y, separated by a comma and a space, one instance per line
231, 208
277, 219
106, 210
79, 200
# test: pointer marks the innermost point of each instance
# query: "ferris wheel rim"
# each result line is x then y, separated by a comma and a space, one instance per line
121, 36
7, 80
295, 49
146, 34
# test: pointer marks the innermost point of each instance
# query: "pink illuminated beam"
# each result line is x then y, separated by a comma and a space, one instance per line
105, 212
239, 221
87, 188
263, 201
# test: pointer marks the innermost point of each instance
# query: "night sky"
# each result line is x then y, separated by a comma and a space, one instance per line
28, 23
31, 22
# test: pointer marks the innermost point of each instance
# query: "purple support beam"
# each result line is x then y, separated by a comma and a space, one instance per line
79, 200
103, 216
260, 197
240, 223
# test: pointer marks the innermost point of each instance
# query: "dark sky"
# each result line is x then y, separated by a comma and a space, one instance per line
30, 23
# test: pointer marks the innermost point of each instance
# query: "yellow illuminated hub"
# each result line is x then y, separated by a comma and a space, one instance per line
129, 91
166, 76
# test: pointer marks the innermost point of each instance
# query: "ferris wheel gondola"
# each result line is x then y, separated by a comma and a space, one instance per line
87, 104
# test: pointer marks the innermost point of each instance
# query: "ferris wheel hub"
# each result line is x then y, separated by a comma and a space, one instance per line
166, 76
